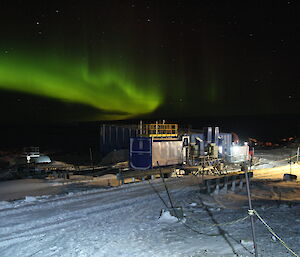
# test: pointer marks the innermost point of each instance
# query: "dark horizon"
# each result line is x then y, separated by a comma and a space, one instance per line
79, 136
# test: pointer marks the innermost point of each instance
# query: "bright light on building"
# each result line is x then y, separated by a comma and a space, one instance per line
220, 149
235, 149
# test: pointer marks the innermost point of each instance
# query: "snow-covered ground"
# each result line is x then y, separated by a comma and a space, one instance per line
16, 189
125, 221
275, 157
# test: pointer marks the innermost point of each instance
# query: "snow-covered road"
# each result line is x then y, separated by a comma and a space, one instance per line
123, 221
115, 222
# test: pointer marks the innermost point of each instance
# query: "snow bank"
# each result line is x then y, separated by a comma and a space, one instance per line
166, 217
4, 205
29, 199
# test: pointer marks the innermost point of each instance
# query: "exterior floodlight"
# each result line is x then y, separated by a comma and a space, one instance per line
220, 149
235, 149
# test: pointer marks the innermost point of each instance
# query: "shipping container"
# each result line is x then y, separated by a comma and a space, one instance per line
146, 153
167, 153
114, 138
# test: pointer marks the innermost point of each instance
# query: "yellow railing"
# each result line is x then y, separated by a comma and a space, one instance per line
160, 130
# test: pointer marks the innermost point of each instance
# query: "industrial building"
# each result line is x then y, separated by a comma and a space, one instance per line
162, 145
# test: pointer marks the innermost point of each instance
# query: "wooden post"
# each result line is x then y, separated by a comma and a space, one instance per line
225, 184
208, 183
241, 182
233, 183
291, 164
217, 189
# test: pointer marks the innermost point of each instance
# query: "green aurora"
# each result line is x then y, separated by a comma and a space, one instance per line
109, 88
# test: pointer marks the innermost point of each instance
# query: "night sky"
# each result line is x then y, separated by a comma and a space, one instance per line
111, 60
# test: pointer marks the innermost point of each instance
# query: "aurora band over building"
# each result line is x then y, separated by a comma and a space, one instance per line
112, 89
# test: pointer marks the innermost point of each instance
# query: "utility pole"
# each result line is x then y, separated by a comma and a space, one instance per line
251, 209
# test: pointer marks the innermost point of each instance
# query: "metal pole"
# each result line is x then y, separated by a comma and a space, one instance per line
154, 189
91, 158
163, 179
251, 209
298, 154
